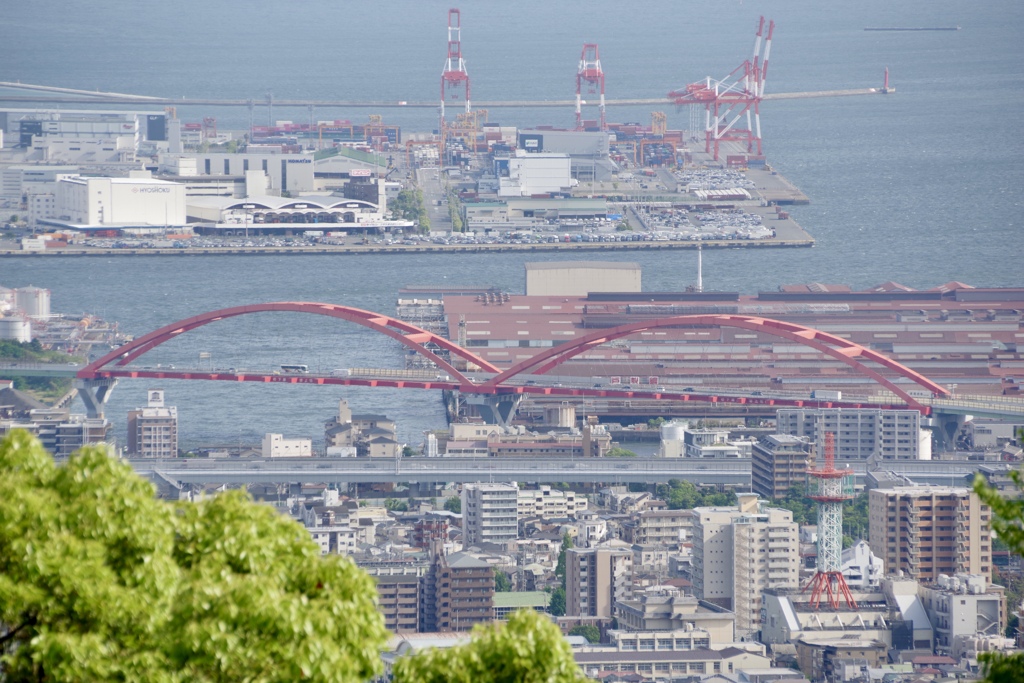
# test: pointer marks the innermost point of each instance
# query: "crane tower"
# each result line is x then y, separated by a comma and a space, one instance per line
590, 72
829, 487
454, 78
732, 98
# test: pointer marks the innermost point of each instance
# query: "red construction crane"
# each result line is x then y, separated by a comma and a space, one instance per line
589, 72
726, 101
454, 78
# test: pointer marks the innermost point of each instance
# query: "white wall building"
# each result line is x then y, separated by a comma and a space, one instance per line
739, 551
545, 502
292, 173
962, 606
704, 443
861, 568
536, 173
490, 513
276, 446
140, 201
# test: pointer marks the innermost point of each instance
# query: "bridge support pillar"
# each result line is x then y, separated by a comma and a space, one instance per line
945, 428
94, 393
498, 409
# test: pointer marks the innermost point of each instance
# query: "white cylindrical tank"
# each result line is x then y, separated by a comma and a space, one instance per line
16, 328
33, 301
673, 431
6, 298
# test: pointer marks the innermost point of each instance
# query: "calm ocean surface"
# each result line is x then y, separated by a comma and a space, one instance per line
921, 187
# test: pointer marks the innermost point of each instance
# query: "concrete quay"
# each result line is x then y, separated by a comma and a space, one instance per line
415, 249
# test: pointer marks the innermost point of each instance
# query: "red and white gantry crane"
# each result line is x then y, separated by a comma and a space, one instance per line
591, 73
732, 98
454, 78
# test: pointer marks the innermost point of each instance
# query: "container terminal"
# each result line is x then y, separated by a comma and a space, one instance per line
335, 185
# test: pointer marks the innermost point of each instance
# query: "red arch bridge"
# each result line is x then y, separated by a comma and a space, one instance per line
499, 391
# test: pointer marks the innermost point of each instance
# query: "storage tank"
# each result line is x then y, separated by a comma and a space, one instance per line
33, 301
6, 298
16, 328
673, 431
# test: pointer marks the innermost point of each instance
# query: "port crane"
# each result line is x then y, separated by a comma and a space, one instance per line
454, 78
591, 73
728, 100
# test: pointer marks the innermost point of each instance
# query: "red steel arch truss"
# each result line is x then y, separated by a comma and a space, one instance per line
836, 347
416, 339
411, 336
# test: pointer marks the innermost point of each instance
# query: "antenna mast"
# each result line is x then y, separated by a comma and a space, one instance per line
829, 488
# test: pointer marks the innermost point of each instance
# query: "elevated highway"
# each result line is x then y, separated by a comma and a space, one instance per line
238, 471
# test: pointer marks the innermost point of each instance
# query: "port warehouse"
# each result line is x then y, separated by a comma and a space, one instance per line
953, 334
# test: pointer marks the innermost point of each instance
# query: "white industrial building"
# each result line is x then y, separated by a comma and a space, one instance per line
536, 174
268, 214
587, 151
276, 446
579, 278
290, 173
962, 606
129, 202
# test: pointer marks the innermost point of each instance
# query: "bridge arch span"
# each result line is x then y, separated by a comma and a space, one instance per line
838, 348
411, 336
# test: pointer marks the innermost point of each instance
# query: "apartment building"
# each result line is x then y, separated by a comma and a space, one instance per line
60, 432
399, 586
545, 502
925, 531
595, 578
670, 528
153, 430
777, 462
739, 551
490, 513
860, 432
463, 592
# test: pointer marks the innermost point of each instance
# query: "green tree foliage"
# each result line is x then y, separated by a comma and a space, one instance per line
408, 205
560, 567
502, 581
408, 451
1008, 525
453, 504
527, 649
395, 505
588, 631
684, 495
557, 605
655, 422
619, 452
100, 581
